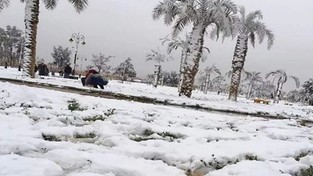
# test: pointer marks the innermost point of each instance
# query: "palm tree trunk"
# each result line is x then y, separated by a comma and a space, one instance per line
31, 22
249, 90
193, 55
156, 75
182, 69
207, 81
278, 91
237, 65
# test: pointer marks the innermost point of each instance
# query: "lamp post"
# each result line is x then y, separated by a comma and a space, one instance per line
78, 39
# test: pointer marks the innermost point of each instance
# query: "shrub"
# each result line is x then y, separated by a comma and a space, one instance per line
73, 105
307, 172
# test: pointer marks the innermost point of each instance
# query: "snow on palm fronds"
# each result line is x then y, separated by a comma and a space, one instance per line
79, 5
246, 27
253, 78
281, 77
157, 57
249, 25
200, 14
208, 71
244, 74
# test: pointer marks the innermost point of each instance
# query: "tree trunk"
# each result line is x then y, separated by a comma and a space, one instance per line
156, 75
237, 65
193, 55
182, 69
31, 22
278, 91
207, 81
249, 90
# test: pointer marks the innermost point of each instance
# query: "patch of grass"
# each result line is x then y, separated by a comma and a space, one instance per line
94, 118
306, 123
86, 135
50, 137
140, 138
251, 157
307, 172
215, 164
109, 112
148, 132
146, 135
301, 155
170, 135
73, 105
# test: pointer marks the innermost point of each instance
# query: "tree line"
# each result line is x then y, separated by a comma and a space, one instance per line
124, 71
11, 46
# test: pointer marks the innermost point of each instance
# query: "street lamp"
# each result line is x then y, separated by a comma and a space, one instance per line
78, 39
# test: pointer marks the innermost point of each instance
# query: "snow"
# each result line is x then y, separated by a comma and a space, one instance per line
170, 94
40, 136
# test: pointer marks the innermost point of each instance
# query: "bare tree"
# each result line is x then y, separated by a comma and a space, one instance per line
61, 55
101, 62
126, 69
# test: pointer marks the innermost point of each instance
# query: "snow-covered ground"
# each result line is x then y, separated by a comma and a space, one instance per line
50, 133
170, 94
41, 136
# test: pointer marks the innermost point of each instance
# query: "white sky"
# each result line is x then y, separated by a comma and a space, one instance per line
124, 28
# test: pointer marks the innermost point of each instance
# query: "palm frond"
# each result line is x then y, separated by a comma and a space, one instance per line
242, 11
174, 43
270, 38
206, 49
168, 9
296, 79
252, 16
79, 5
50, 4
180, 24
262, 32
4, 4
272, 73
228, 74
214, 33
249, 76
212, 69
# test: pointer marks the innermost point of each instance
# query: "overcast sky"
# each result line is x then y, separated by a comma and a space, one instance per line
124, 28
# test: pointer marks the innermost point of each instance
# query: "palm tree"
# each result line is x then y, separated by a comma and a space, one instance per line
246, 28
174, 44
157, 57
307, 92
282, 77
201, 14
31, 23
253, 77
208, 72
217, 82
